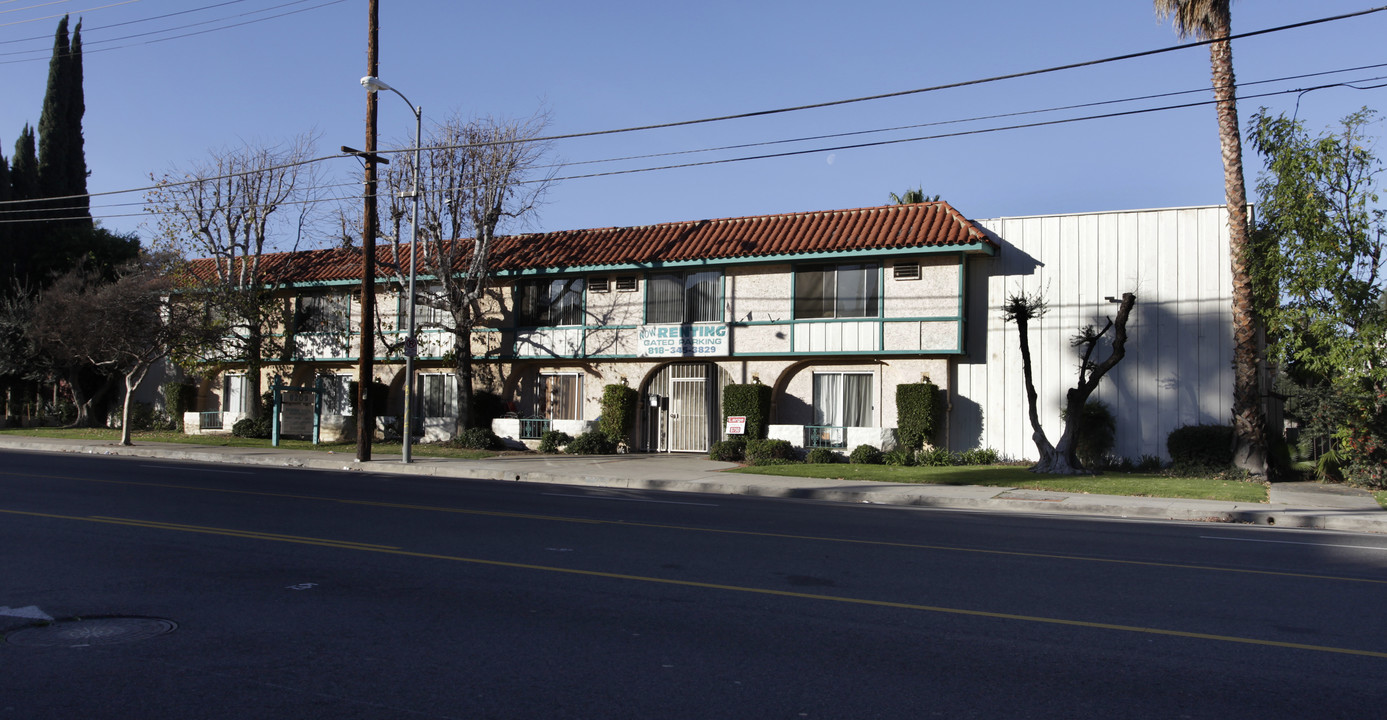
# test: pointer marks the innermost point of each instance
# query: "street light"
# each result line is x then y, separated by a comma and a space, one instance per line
373, 85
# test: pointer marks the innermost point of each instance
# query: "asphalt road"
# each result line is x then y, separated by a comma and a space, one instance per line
310, 594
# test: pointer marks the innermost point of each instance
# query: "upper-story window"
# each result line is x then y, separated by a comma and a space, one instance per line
546, 303
425, 315
323, 312
837, 291
684, 297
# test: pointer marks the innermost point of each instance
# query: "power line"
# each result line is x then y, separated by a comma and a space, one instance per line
759, 113
200, 32
97, 28
73, 12
857, 146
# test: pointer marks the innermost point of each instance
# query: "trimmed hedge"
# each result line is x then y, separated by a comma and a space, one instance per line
1200, 449
1094, 435
179, 397
592, 442
752, 400
618, 413
917, 412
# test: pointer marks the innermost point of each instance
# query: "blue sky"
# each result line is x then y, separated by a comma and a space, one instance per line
155, 104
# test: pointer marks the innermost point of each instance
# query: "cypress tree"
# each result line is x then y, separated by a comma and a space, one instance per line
24, 180
62, 162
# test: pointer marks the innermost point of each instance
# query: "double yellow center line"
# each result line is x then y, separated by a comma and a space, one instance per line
395, 550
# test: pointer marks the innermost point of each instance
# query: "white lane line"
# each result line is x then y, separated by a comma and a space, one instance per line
599, 497
199, 469
1292, 542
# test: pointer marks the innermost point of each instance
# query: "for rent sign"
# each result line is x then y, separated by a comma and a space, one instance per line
683, 341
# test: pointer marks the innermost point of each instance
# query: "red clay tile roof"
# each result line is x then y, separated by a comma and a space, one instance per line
892, 227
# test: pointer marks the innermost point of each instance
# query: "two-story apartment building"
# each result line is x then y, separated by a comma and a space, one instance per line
830, 309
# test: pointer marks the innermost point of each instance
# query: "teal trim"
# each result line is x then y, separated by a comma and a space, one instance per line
962, 298
756, 260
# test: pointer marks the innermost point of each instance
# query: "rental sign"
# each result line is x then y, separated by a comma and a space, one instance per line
683, 341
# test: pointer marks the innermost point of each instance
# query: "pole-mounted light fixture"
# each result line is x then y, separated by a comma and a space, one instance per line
374, 84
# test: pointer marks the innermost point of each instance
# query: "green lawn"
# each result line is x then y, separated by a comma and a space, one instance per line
1138, 484
113, 436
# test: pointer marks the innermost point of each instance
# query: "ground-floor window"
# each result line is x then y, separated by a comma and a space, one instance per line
236, 394
841, 400
557, 396
337, 394
437, 395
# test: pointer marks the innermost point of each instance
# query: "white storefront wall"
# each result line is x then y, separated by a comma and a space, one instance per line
1177, 370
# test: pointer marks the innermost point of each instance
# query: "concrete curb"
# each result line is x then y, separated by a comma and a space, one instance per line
977, 498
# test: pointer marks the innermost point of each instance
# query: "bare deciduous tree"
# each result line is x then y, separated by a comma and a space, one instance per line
479, 177
241, 205
1022, 308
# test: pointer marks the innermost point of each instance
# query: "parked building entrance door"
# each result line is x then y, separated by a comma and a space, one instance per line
682, 407
688, 415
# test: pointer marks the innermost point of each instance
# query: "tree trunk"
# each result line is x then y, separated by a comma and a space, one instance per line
1042, 443
464, 376
1249, 420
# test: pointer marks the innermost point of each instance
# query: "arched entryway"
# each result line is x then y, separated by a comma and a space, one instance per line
682, 407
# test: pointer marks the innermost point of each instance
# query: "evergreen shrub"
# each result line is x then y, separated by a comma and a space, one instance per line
618, 413
917, 410
1200, 449
821, 456
592, 442
752, 400
731, 450
552, 440
475, 438
865, 455
761, 451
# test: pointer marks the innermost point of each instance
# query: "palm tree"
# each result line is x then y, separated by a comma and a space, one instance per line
1211, 20
912, 196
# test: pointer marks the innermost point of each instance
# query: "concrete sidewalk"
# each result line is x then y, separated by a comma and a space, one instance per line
1303, 505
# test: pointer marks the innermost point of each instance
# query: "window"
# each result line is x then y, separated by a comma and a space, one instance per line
436, 393
684, 297
557, 397
323, 313
337, 394
236, 394
836, 291
843, 399
599, 285
425, 315
550, 302
626, 283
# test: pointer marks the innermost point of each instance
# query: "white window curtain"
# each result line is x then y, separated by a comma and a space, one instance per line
236, 394
843, 399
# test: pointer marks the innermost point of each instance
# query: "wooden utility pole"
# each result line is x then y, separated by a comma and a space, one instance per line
365, 420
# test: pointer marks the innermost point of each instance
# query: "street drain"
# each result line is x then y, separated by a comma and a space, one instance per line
86, 632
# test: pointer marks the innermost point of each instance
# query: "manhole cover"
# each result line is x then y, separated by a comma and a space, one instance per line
91, 631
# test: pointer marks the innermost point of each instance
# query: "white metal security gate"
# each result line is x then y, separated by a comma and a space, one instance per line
682, 403
688, 415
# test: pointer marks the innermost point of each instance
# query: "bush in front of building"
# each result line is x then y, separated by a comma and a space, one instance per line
752, 400
475, 438
179, 397
865, 455
917, 412
618, 413
935, 457
1200, 449
592, 442
552, 440
976, 456
900, 457
258, 428
731, 450
821, 456
769, 452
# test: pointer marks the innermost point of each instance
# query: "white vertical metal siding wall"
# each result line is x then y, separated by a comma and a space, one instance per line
1178, 368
